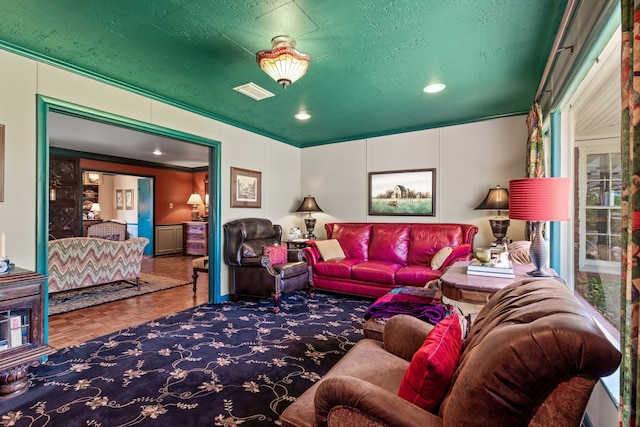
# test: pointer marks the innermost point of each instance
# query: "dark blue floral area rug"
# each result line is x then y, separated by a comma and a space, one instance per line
226, 364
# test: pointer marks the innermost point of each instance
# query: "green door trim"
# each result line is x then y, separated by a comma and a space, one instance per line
44, 105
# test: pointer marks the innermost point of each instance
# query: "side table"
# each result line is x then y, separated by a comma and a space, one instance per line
460, 286
296, 244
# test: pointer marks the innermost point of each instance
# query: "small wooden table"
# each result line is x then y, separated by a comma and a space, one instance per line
460, 286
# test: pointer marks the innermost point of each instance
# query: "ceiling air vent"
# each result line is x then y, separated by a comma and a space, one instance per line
254, 91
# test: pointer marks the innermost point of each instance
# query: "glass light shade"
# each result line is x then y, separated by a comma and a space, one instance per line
194, 199
283, 63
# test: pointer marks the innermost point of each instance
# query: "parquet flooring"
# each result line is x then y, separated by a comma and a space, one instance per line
74, 327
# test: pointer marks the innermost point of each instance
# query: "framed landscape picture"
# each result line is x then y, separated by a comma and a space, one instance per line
409, 192
246, 188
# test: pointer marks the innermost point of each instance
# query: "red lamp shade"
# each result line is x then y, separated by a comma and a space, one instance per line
539, 199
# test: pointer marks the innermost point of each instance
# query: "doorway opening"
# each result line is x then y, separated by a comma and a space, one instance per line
130, 155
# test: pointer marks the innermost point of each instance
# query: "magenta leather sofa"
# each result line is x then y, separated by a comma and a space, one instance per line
382, 256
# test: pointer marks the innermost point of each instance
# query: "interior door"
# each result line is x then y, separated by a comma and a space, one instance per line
145, 213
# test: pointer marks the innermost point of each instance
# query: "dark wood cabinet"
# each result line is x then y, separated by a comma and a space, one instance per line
194, 238
64, 197
21, 328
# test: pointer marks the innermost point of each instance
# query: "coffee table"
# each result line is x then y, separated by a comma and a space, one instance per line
460, 286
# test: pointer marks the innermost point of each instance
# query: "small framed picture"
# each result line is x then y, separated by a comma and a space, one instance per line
246, 188
119, 199
408, 192
128, 199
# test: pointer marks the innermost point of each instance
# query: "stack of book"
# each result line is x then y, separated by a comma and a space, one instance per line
477, 268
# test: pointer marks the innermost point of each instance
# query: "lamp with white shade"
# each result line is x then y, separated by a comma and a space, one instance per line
194, 200
95, 208
539, 200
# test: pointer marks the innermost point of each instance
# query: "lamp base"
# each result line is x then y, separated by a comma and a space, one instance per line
195, 215
539, 273
499, 228
310, 223
538, 251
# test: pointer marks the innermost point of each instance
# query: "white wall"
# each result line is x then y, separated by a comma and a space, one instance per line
22, 79
469, 159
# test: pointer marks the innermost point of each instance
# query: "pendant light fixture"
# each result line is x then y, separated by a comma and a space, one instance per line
283, 63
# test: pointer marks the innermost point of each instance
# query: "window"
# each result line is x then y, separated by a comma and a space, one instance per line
598, 243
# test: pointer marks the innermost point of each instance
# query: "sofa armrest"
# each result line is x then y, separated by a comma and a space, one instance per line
403, 335
353, 396
311, 254
295, 255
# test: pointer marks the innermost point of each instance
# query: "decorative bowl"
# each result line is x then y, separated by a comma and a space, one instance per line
483, 254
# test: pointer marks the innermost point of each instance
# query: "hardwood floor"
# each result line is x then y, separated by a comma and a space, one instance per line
81, 325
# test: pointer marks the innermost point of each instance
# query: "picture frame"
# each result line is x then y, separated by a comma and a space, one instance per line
91, 178
128, 199
1, 163
119, 200
403, 193
246, 188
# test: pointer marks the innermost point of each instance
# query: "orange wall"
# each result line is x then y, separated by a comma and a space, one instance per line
170, 187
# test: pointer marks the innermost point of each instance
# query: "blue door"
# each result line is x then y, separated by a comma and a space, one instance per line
145, 213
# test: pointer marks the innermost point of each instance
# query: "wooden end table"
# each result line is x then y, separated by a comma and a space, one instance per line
460, 286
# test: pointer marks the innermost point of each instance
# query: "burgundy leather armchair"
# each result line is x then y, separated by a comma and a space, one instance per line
251, 273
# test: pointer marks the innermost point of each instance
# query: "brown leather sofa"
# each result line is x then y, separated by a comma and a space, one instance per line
251, 273
531, 358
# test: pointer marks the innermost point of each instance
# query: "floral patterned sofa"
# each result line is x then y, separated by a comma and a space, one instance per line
79, 262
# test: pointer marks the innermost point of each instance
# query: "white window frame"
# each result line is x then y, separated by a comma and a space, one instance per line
595, 146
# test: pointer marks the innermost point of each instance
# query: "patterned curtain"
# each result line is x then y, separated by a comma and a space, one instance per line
535, 155
535, 146
630, 228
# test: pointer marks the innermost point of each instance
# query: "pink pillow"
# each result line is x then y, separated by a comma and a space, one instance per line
461, 251
277, 254
433, 365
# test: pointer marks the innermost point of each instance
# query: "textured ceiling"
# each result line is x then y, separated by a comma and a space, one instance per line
370, 59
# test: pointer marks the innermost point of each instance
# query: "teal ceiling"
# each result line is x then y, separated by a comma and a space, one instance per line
370, 59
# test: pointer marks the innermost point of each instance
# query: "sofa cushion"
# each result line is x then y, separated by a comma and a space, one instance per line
433, 365
426, 239
354, 239
336, 268
416, 275
440, 257
276, 254
375, 271
389, 242
330, 249
461, 251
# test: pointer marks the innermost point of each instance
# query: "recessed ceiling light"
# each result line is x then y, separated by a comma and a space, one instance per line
434, 88
303, 116
157, 152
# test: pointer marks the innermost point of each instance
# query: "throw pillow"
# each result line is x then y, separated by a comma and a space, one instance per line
461, 252
330, 249
277, 254
440, 257
433, 365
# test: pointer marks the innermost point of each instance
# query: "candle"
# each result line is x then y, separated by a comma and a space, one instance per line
2, 247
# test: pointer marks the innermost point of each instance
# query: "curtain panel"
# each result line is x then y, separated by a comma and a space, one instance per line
630, 228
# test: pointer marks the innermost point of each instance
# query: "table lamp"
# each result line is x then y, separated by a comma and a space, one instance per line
497, 199
539, 200
194, 200
309, 205
95, 208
